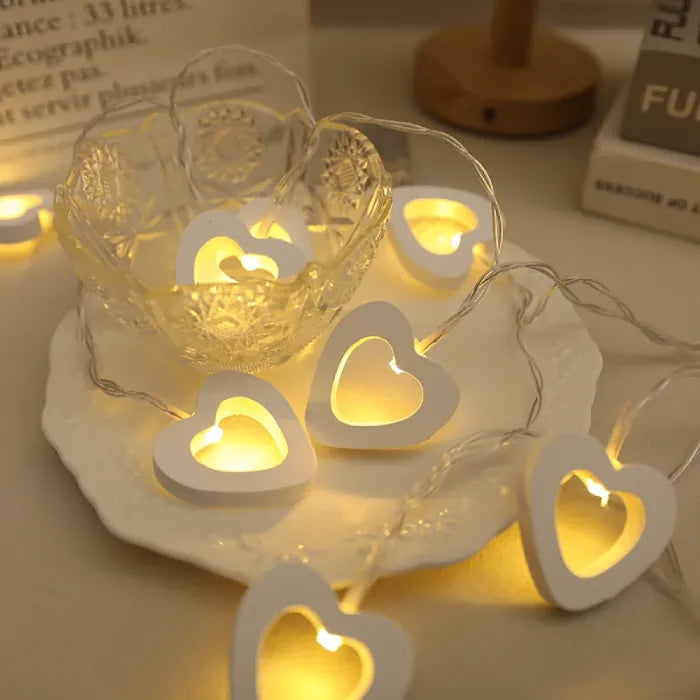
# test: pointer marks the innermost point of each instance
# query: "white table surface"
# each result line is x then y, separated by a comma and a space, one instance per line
86, 616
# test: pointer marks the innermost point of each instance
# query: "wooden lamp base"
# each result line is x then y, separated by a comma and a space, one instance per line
457, 80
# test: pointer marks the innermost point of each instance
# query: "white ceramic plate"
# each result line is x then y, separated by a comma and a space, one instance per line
106, 442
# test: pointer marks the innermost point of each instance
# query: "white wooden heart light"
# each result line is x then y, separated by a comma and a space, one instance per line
23, 216
434, 230
243, 446
285, 223
215, 236
385, 651
650, 504
332, 422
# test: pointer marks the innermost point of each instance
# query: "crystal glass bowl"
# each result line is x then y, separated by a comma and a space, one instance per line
129, 195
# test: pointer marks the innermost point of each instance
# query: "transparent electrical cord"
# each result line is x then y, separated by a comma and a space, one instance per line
184, 152
480, 444
667, 573
109, 386
619, 309
408, 128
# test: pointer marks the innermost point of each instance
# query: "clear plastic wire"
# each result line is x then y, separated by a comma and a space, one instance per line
409, 128
619, 310
127, 103
625, 420
478, 445
667, 573
184, 152
109, 386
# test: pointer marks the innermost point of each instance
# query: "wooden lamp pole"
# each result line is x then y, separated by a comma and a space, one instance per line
508, 78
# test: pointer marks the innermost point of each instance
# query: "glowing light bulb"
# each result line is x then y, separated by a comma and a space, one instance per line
249, 262
273, 230
332, 642
396, 369
213, 435
597, 489
15, 206
455, 240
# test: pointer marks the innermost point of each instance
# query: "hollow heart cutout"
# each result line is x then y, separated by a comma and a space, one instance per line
286, 223
215, 236
650, 503
243, 474
300, 658
382, 320
244, 437
434, 229
384, 649
370, 366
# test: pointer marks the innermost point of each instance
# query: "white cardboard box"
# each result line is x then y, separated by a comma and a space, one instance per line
646, 185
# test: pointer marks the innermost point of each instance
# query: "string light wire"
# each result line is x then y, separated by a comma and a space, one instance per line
479, 444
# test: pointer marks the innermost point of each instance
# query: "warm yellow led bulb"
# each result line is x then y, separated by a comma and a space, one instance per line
597, 489
394, 366
213, 435
249, 262
332, 642
16, 206
456, 239
273, 230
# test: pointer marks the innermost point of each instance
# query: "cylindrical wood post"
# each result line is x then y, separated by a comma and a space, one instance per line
507, 78
511, 32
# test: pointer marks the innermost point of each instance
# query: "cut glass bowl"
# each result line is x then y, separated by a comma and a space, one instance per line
127, 199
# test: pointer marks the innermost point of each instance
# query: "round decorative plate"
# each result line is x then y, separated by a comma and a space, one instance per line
107, 442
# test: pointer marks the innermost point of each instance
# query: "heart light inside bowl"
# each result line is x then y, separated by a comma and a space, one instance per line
268, 219
217, 247
217, 259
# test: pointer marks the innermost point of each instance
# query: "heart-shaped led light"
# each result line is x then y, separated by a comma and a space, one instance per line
650, 504
434, 230
242, 446
325, 419
215, 236
265, 219
24, 216
385, 652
